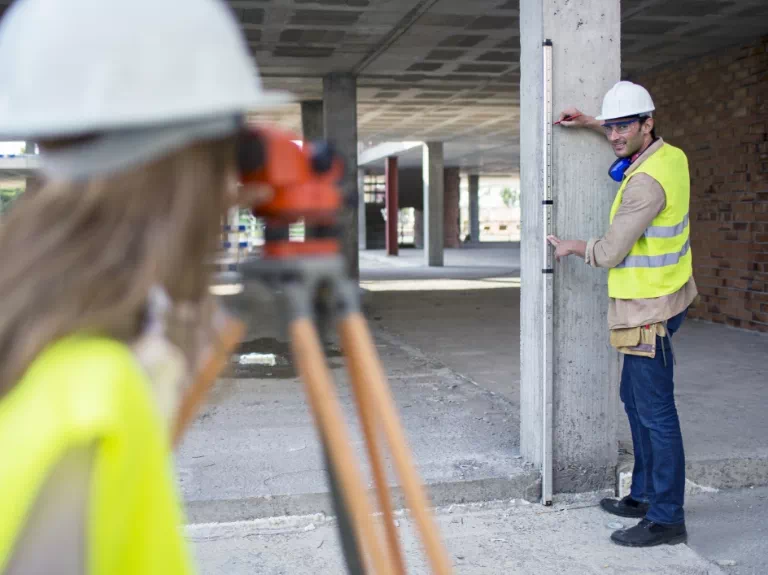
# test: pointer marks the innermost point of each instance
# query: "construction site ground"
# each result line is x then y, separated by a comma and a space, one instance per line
253, 478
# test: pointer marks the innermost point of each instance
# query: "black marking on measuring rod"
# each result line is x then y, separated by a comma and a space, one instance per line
548, 271
547, 202
546, 43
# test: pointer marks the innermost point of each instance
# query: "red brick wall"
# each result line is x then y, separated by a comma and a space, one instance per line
451, 207
716, 109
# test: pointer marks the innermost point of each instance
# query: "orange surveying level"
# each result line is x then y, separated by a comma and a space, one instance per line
304, 180
305, 184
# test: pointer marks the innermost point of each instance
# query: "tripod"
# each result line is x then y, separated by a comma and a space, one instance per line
305, 187
299, 281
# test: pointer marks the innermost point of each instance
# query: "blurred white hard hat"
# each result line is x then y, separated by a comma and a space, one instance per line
70, 67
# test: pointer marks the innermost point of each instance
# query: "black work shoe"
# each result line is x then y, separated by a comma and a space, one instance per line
626, 507
648, 534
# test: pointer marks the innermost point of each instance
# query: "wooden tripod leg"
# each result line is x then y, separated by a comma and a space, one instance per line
312, 367
354, 556
369, 422
358, 344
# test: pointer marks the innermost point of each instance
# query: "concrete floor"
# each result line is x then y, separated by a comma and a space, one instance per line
253, 452
485, 539
730, 528
452, 356
472, 261
721, 379
466, 314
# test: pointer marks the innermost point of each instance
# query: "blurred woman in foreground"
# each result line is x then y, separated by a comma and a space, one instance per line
104, 277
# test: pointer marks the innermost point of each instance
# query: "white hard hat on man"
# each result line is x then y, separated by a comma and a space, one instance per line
625, 100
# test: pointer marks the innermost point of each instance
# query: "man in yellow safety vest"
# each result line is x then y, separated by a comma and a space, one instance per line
650, 284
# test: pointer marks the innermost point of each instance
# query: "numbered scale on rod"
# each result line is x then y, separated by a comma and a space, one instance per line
547, 282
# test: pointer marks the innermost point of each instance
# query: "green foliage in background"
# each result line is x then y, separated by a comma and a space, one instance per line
7, 196
511, 198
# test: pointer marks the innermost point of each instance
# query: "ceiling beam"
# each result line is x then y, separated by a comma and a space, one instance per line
398, 30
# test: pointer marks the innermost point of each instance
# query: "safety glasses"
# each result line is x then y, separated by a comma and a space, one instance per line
622, 128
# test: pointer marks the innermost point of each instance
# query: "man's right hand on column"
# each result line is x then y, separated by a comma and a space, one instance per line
575, 118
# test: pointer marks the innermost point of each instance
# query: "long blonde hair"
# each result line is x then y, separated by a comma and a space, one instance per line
81, 257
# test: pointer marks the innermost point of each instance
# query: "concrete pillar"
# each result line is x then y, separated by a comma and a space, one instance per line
452, 217
418, 228
474, 207
390, 198
586, 63
340, 124
362, 227
433, 175
33, 183
312, 120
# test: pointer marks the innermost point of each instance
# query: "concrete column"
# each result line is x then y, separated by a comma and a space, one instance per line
452, 218
340, 122
586, 63
418, 229
434, 190
392, 235
312, 120
474, 207
33, 183
362, 227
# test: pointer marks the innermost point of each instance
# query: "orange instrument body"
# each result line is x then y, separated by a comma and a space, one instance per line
305, 184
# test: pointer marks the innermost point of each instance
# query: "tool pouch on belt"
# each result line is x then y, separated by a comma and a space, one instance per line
638, 340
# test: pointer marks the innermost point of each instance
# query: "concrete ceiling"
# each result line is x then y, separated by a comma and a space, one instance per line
448, 70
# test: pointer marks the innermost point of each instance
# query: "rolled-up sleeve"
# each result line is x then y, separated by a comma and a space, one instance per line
642, 201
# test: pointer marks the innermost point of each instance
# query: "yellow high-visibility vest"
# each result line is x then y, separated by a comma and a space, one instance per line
659, 263
86, 391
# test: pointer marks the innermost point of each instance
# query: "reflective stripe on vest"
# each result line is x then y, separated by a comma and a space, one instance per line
667, 231
655, 261
660, 262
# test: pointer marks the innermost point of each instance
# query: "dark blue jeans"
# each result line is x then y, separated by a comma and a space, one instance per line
648, 393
